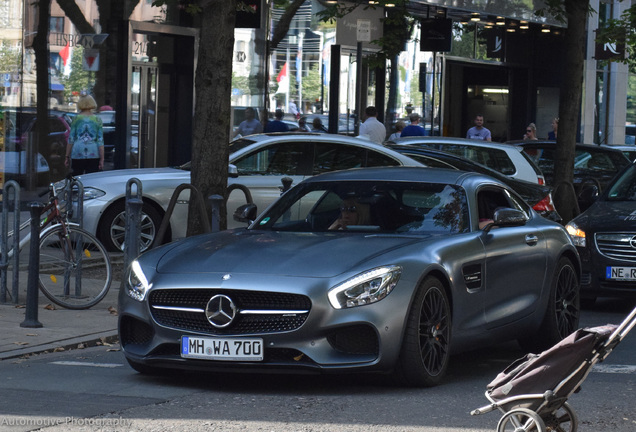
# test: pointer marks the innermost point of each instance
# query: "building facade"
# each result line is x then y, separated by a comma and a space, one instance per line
498, 59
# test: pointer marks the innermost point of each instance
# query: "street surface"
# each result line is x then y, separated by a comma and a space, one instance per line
95, 390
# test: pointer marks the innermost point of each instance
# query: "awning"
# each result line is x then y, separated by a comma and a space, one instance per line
57, 87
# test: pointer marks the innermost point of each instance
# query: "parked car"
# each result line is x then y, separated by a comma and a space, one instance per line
628, 150
410, 281
14, 166
593, 164
261, 162
21, 126
506, 159
605, 236
538, 196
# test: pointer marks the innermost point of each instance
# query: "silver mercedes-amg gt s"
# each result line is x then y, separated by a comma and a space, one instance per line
378, 269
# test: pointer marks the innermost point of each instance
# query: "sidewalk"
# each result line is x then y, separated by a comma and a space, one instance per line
61, 328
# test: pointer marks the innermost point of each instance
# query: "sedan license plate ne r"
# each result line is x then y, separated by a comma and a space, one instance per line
228, 349
621, 273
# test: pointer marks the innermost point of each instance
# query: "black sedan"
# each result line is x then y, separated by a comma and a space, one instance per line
371, 269
538, 196
593, 165
605, 236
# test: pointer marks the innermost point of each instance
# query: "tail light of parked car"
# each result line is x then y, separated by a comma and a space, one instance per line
545, 205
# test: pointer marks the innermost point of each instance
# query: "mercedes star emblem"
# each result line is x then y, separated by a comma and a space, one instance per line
220, 311
632, 242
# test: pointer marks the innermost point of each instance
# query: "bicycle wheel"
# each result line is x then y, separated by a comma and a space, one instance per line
75, 272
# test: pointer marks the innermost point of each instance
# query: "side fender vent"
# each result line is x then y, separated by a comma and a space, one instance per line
472, 276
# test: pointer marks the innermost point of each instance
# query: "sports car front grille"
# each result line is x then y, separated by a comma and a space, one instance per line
184, 309
619, 246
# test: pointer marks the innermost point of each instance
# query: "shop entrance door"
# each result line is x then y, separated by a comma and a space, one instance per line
143, 147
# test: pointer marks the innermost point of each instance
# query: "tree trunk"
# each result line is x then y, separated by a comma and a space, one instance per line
569, 107
213, 82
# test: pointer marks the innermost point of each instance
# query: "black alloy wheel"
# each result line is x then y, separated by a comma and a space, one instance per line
426, 347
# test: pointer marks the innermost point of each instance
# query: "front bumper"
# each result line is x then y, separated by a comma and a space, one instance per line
321, 340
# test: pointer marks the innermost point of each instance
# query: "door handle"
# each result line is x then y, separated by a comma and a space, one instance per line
531, 239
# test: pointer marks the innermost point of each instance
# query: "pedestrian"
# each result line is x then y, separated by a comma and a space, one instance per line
479, 132
317, 125
85, 148
531, 133
302, 125
552, 135
372, 128
250, 125
414, 129
399, 126
293, 108
277, 125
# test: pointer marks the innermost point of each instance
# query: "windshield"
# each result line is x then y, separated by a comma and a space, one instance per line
369, 206
624, 188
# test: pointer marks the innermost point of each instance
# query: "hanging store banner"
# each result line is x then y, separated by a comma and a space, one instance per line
495, 43
248, 13
611, 50
436, 34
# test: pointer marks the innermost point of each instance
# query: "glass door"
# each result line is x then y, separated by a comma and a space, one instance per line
143, 146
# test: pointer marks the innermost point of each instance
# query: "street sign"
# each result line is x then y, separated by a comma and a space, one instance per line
364, 30
90, 61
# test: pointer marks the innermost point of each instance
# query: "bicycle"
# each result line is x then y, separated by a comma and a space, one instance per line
75, 269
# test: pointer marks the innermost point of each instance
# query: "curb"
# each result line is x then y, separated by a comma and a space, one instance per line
79, 342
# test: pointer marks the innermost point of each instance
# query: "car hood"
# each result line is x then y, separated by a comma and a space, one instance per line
102, 177
609, 216
272, 253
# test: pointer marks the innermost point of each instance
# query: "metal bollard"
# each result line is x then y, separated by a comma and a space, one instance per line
132, 234
31, 313
215, 201
15, 242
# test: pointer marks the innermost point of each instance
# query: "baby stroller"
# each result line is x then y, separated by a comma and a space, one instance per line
533, 391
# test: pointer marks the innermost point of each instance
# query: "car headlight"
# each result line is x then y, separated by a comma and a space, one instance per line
137, 285
576, 233
365, 288
92, 193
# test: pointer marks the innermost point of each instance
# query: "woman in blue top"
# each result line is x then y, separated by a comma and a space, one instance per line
85, 149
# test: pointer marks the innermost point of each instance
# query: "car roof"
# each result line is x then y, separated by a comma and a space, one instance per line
450, 140
590, 147
400, 174
262, 139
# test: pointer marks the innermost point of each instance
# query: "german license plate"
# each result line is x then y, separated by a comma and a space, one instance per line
621, 273
229, 349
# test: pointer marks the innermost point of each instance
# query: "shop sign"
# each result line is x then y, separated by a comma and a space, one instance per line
248, 14
612, 50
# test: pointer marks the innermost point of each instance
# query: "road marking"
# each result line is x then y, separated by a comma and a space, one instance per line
617, 369
76, 363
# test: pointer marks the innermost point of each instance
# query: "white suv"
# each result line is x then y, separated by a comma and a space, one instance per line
505, 158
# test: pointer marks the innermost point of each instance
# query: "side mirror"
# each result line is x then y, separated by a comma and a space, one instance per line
232, 171
245, 213
507, 217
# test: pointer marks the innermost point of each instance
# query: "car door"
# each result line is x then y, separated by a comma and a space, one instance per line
516, 259
263, 170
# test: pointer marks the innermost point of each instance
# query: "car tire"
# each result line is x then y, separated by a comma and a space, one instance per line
425, 348
112, 227
563, 311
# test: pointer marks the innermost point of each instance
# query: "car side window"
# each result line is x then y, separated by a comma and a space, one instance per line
490, 199
277, 159
334, 157
378, 159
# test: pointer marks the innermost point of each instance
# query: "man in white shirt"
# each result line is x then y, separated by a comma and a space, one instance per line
372, 128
